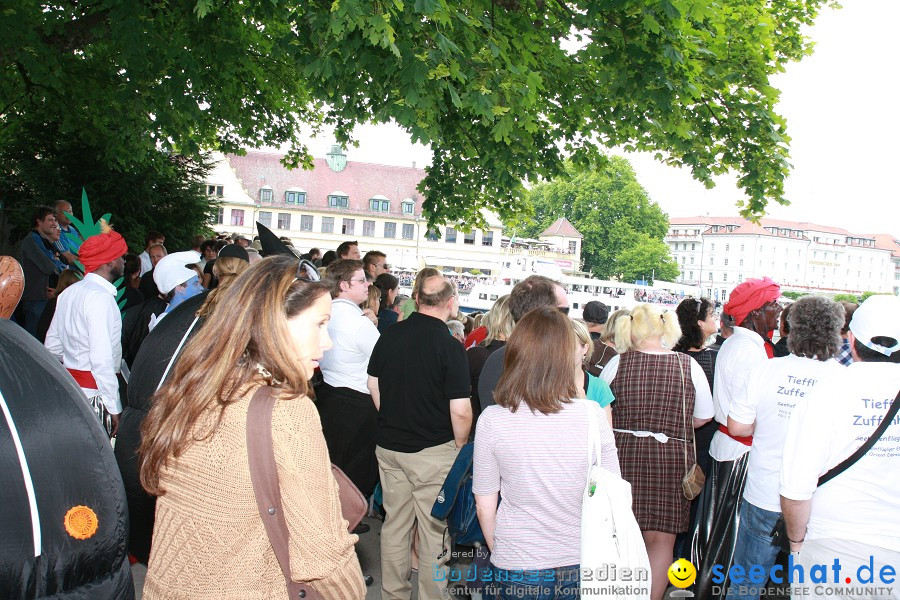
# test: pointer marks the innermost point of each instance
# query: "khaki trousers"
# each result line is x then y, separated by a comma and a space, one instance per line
410, 483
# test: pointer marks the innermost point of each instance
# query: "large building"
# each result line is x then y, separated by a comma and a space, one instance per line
717, 253
378, 205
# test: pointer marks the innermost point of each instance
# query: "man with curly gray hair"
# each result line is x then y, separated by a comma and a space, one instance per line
763, 409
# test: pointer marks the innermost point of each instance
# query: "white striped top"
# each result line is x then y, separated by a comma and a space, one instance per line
538, 463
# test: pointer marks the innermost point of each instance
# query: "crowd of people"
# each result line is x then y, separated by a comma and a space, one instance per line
389, 388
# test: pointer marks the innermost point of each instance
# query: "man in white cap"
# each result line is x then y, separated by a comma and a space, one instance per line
177, 280
856, 514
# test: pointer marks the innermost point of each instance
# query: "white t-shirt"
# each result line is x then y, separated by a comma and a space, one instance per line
703, 406
773, 390
354, 336
862, 503
738, 355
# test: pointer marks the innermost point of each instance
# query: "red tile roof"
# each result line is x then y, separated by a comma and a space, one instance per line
886, 241
562, 227
359, 181
764, 222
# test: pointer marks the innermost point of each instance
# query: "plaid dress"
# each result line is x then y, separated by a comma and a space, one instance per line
648, 398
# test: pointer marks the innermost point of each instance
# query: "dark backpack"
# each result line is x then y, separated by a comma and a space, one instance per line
456, 502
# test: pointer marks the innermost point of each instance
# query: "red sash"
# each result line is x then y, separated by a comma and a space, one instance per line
747, 441
84, 379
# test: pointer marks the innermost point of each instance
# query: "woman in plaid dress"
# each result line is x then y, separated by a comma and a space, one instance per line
661, 396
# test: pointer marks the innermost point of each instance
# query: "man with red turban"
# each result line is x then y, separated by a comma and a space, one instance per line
86, 331
754, 307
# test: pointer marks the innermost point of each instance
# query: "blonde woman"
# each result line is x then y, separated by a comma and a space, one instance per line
499, 325
270, 328
661, 396
594, 388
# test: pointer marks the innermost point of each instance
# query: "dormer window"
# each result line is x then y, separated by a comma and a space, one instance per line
379, 204
408, 207
338, 200
265, 194
295, 197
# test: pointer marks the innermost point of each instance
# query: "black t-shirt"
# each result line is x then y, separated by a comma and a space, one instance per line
208, 270
420, 367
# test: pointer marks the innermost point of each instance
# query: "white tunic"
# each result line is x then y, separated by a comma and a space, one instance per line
86, 335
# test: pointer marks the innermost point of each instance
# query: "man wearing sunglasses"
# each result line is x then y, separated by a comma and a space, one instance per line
375, 263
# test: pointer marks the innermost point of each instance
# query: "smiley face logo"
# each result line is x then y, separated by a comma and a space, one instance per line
682, 573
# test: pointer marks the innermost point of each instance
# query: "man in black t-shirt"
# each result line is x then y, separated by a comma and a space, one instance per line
419, 380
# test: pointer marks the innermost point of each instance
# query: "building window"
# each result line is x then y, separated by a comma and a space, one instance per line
377, 205
390, 230
306, 222
712, 260
450, 235
265, 218
724, 276
487, 238
348, 226
693, 246
710, 276
431, 235
408, 231
295, 197
368, 228
469, 238
741, 262
327, 224
573, 246
691, 275
692, 260
740, 278
237, 217
727, 247
408, 208
338, 201
284, 220
742, 247
265, 194
712, 247
215, 190
220, 216
726, 261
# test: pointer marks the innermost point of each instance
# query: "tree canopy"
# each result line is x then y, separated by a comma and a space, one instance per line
503, 90
39, 165
623, 230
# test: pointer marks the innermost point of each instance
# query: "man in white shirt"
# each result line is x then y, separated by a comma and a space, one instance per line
763, 408
152, 238
349, 417
854, 519
86, 329
753, 306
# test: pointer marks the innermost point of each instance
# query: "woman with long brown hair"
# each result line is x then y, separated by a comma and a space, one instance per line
270, 328
535, 533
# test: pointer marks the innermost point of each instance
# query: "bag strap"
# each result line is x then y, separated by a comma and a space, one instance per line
264, 477
861, 451
684, 416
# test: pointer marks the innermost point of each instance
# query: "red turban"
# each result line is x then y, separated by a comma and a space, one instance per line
749, 296
100, 249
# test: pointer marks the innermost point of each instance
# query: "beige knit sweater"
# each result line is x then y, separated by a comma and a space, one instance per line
209, 541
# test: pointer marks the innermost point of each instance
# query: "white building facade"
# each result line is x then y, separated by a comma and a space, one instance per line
718, 253
338, 200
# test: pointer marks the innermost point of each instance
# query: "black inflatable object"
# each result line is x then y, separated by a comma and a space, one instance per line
147, 371
78, 495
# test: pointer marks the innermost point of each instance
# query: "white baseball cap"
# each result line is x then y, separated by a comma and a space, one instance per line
173, 270
877, 316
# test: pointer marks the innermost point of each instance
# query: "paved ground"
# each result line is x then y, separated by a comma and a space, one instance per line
368, 550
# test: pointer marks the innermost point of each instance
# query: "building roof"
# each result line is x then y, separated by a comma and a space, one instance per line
359, 181
886, 241
764, 222
561, 227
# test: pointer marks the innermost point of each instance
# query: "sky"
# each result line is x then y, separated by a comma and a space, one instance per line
842, 105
